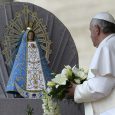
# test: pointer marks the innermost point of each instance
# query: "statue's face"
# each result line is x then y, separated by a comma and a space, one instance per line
30, 36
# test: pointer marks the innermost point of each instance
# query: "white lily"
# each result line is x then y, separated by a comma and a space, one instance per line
67, 72
60, 79
57, 86
68, 67
64, 71
75, 70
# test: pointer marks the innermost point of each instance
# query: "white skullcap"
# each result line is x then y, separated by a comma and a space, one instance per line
105, 16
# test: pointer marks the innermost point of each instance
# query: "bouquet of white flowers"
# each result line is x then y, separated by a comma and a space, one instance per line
62, 81
57, 88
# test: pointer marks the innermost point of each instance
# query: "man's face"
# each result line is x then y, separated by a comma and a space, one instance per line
93, 35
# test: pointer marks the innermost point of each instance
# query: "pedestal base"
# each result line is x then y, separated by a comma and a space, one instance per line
18, 106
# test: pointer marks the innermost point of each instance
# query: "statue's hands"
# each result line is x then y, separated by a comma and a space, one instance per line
71, 90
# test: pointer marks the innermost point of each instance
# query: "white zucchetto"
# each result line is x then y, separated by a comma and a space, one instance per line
105, 16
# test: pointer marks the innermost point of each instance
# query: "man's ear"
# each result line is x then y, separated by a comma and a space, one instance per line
97, 30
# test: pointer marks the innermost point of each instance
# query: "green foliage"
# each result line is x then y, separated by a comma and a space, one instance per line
60, 92
29, 110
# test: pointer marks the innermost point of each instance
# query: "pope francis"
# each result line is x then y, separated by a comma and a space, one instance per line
98, 92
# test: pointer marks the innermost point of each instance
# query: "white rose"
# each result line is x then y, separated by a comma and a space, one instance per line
81, 74
77, 81
84, 77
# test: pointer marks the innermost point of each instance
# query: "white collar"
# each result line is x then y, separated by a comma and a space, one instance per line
107, 38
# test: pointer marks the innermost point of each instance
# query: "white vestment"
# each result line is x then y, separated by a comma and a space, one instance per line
98, 93
35, 78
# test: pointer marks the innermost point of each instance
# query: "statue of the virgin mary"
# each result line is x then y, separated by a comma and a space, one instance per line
30, 71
